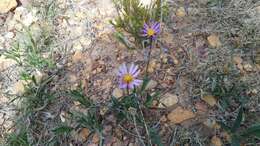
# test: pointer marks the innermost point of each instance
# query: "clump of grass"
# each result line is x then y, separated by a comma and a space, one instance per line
32, 50
28, 53
38, 126
129, 110
224, 81
226, 84
90, 119
241, 133
132, 15
36, 98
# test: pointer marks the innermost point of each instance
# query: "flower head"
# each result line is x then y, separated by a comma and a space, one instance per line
127, 76
152, 30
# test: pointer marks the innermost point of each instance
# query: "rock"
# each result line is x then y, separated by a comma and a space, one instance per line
72, 78
211, 124
81, 15
95, 138
18, 88
252, 92
30, 18
241, 68
216, 141
2, 39
237, 60
257, 10
5, 63
84, 133
248, 67
152, 66
103, 110
25, 3
7, 5
181, 12
18, 13
163, 118
179, 115
107, 130
62, 116
226, 136
214, 41
151, 85
78, 56
164, 59
168, 100
201, 107
117, 93
175, 61
9, 35
38, 76
209, 99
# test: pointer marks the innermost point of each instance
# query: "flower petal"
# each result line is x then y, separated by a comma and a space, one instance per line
123, 85
130, 85
144, 35
122, 69
135, 74
137, 82
156, 25
134, 69
146, 26
131, 68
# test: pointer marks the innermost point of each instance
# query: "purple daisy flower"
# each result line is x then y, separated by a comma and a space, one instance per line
152, 30
127, 76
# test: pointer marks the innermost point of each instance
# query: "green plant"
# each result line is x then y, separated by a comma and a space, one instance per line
132, 15
90, 119
130, 109
32, 50
226, 84
78, 95
36, 98
18, 139
238, 135
28, 53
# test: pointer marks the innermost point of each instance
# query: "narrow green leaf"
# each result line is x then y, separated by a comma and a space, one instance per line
238, 120
149, 100
155, 138
146, 80
253, 130
235, 141
34, 80
62, 130
224, 126
77, 95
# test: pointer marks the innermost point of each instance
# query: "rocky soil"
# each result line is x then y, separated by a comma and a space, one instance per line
92, 56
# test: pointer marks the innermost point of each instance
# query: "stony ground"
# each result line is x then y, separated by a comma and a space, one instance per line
82, 24
93, 56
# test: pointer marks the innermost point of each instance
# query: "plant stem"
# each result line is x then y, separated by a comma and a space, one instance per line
127, 91
145, 125
149, 56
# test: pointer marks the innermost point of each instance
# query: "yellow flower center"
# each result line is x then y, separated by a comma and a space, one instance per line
150, 32
128, 78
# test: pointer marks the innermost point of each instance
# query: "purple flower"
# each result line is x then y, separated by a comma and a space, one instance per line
127, 76
152, 30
